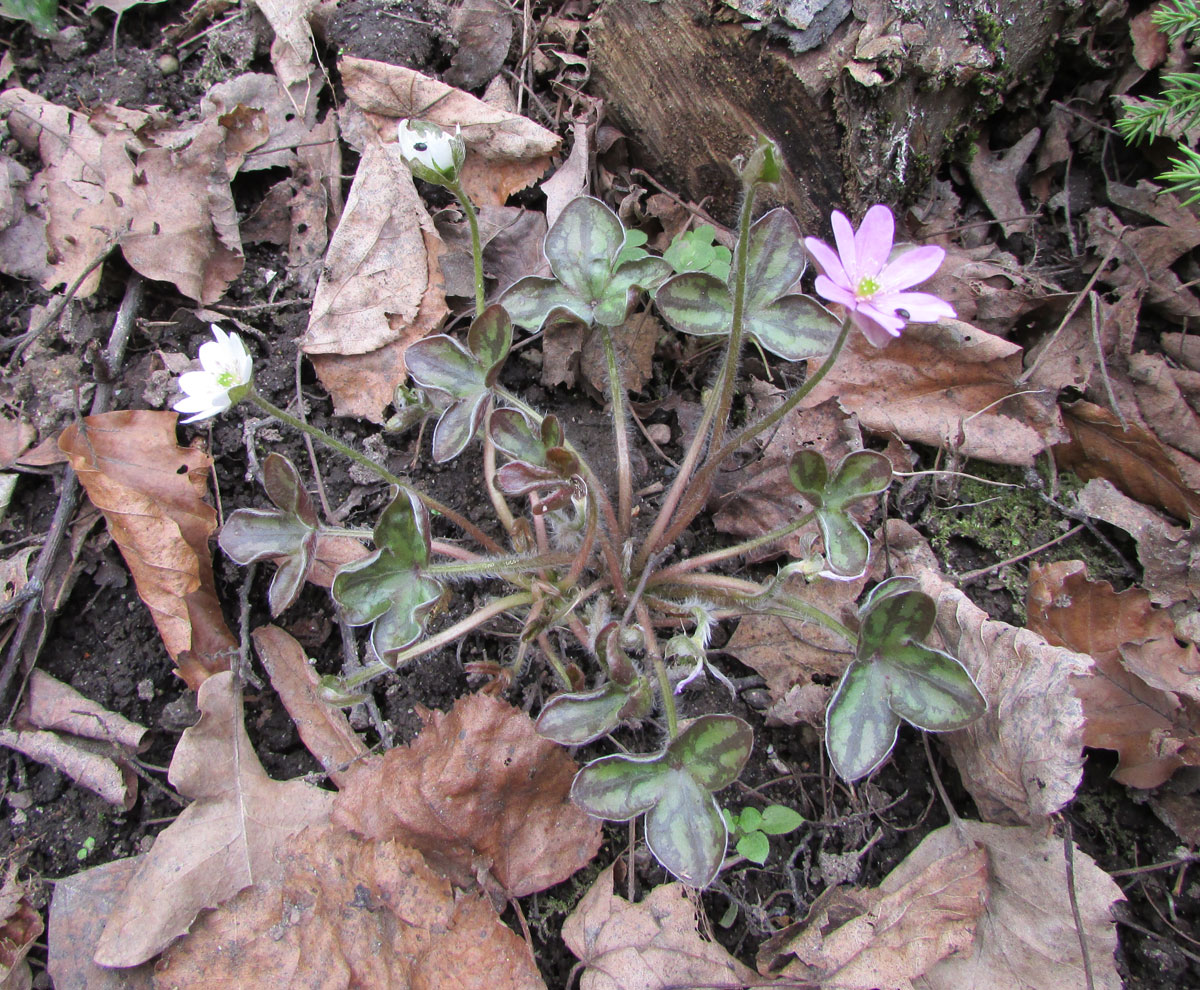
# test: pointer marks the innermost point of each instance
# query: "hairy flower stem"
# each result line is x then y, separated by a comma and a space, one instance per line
697, 493
486, 567
716, 410
447, 635
737, 550
476, 248
503, 512
345, 450
621, 434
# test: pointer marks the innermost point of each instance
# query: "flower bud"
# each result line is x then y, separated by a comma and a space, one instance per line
431, 153
765, 164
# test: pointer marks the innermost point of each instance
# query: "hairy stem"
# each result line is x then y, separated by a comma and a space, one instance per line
737, 550
484, 567
728, 379
499, 503
476, 248
621, 434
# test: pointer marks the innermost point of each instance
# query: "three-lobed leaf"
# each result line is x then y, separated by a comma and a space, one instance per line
582, 717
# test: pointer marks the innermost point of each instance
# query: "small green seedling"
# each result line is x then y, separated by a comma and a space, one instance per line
697, 251
84, 851
750, 828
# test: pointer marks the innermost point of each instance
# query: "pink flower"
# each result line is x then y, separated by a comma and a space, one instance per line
867, 277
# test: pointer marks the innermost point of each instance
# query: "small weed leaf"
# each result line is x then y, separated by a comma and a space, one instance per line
790, 326
895, 676
777, 819
462, 375
684, 827
585, 716
634, 249
860, 475
755, 847
697, 251
389, 587
287, 533
592, 281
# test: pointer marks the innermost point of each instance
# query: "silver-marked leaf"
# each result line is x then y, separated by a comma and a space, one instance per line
847, 549
893, 622
457, 426
713, 749
886, 589
860, 726
531, 301
776, 258
584, 716
696, 303
809, 475
861, 474
512, 433
583, 246
619, 787
646, 273
443, 364
793, 327
285, 489
685, 830
931, 689
389, 587
489, 339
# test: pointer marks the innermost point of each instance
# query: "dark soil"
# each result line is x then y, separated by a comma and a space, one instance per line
105, 645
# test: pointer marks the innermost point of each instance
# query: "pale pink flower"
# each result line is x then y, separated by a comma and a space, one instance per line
868, 277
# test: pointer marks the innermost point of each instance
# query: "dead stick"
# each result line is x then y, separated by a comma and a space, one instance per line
1069, 853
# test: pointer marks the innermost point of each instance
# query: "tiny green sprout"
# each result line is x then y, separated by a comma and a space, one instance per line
750, 828
84, 851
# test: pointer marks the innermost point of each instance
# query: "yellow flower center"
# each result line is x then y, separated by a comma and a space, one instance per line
226, 379
867, 287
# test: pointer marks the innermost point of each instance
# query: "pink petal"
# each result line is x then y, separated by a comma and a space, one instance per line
873, 242
890, 322
828, 289
876, 335
911, 267
827, 262
843, 235
921, 307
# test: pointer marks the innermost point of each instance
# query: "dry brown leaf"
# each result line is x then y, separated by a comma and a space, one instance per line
52, 705
634, 343
292, 49
1026, 938
1162, 405
562, 345
23, 248
995, 175
1149, 43
988, 288
1131, 458
505, 152
285, 129
570, 179
1169, 555
484, 30
948, 385
1183, 347
760, 496
151, 492
651, 945
1141, 698
1023, 760
512, 240
477, 789
800, 661
924, 910
222, 842
343, 914
77, 916
20, 926
16, 437
1067, 355
113, 781
322, 727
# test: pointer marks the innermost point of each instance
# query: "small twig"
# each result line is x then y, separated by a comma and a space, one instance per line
955, 820
1153, 867
972, 575
1069, 854
1108, 389
308, 444
242, 673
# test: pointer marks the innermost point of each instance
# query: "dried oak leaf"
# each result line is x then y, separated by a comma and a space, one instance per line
343, 914
477, 789
883, 938
994, 176
1023, 760
1142, 698
151, 492
651, 945
77, 913
505, 151
948, 385
1162, 404
52, 705
1026, 938
1128, 456
20, 926
112, 780
323, 728
222, 842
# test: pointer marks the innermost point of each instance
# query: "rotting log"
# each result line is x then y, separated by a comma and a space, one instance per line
863, 117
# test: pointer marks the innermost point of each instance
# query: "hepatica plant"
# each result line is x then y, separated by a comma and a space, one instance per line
594, 583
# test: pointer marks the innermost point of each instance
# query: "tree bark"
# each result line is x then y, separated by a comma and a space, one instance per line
863, 118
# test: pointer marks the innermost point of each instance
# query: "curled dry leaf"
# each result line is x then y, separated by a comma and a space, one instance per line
50, 704
651, 945
1027, 938
1162, 405
151, 492
1023, 760
222, 842
881, 939
477, 788
994, 176
20, 926
1143, 696
322, 727
949, 385
341, 913
505, 152
113, 781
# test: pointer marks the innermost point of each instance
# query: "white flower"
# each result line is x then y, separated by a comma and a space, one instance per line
227, 366
431, 153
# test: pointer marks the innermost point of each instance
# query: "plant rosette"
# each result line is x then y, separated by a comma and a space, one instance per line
751, 828
541, 461
895, 676
674, 789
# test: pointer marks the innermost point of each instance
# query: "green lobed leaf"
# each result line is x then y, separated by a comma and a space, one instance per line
618, 295
775, 259
793, 327
809, 475
847, 549
512, 433
443, 364
582, 717
755, 847
457, 426
778, 819
696, 251
695, 303
861, 474
931, 689
860, 727
685, 830
532, 300
490, 339
583, 245
894, 621
251, 535
618, 788
713, 749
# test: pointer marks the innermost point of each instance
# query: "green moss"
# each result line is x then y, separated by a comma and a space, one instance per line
1001, 523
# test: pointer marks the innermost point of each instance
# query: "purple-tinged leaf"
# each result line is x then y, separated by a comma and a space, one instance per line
776, 258
583, 717
457, 426
793, 328
285, 489
860, 727
619, 787
696, 304
685, 830
490, 339
713, 749
443, 364
532, 300
511, 433
583, 245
